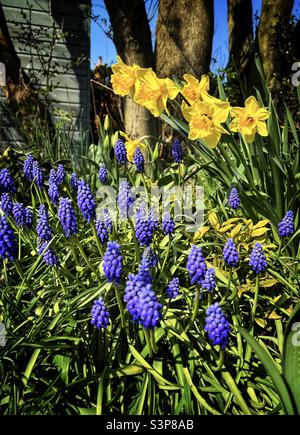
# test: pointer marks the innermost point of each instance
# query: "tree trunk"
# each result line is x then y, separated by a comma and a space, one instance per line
184, 34
240, 29
21, 95
273, 12
132, 38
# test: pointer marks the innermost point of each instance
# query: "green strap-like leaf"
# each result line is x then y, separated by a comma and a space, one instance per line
291, 355
272, 370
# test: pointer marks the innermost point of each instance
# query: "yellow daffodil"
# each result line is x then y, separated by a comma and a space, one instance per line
124, 78
194, 89
249, 120
205, 118
131, 145
153, 92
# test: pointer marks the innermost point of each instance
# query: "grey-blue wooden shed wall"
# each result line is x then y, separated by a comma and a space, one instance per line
70, 56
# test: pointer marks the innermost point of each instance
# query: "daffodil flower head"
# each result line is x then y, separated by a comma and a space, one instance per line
193, 90
153, 92
205, 118
249, 120
124, 78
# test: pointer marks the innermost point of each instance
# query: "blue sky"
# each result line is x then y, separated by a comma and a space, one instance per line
102, 46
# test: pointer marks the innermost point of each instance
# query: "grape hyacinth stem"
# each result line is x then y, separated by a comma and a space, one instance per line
220, 362
195, 310
120, 305
136, 244
148, 342
100, 249
255, 298
86, 258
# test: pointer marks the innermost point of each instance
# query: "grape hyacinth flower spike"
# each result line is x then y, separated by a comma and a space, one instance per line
230, 254
100, 314
196, 265
107, 220
125, 199
139, 160
8, 241
120, 152
177, 151
60, 175
38, 175
28, 168
168, 225
113, 262
102, 174
86, 201
143, 227
67, 217
209, 281
258, 261
22, 215
74, 182
6, 203
101, 230
233, 199
49, 256
7, 184
173, 288
43, 228
286, 227
217, 326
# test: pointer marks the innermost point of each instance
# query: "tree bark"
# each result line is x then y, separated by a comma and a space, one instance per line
184, 34
132, 38
240, 29
21, 95
273, 12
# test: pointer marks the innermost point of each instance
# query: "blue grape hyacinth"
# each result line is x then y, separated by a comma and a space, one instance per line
101, 230
38, 175
100, 314
173, 288
120, 152
22, 215
148, 307
139, 160
8, 241
6, 203
258, 261
143, 226
286, 227
113, 262
209, 281
217, 326
28, 167
142, 303
230, 254
144, 271
67, 217
74, 182
134, 285
125, 199
153, 218
168, 225
53, 192
233, 199
102, 174
43, 228
177, 151
7, 184
86, 201
49, 256
60, 175
196, 265
150, 256
107, 220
